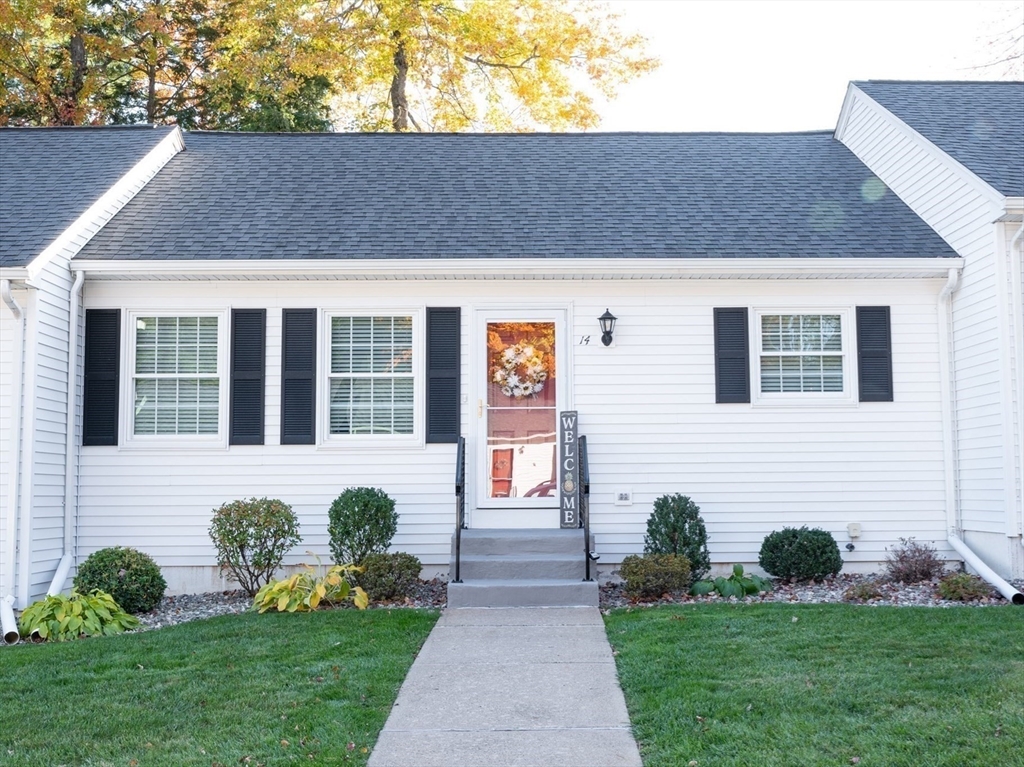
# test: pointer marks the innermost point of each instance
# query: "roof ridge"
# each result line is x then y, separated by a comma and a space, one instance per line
132, 127
548, 134
943, 82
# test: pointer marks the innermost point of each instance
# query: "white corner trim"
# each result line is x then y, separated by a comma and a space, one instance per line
844, 112
524, 268
84, 228
982, 187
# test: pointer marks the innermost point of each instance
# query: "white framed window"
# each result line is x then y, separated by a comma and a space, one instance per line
802, 356
177, 378
373, 362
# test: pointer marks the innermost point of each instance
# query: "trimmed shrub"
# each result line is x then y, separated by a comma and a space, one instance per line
389, 576
363, 521
252, 538
912, 562
60, 618
132, 578
675, 527
963, 587
650, 576
801, 554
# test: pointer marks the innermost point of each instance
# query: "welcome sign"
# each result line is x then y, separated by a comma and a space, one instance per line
568, 470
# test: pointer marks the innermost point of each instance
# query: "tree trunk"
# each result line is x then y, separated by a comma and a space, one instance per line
399, 104
151, 97
71, 103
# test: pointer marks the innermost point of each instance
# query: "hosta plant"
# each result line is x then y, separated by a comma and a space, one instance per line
311, 589
60, 618
736, 585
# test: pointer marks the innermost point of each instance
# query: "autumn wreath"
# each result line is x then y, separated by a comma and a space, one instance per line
520, 371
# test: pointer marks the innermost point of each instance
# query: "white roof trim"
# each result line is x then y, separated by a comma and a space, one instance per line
13, 273
983, 188
523, 269
77, 235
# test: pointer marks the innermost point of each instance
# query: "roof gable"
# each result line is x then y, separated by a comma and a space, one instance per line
50, 176
600, 195
979, 124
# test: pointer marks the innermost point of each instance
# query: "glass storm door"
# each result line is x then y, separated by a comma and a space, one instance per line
518, 424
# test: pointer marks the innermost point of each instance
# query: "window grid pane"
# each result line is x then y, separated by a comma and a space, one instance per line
177, 390
371, 381
791, 353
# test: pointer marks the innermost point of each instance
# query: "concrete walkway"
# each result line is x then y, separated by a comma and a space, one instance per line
511, 687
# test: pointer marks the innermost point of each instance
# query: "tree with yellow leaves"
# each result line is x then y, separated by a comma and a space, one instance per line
445, 65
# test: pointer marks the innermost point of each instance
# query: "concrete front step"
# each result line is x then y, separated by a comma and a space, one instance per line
523, 592
518, 565
483, 541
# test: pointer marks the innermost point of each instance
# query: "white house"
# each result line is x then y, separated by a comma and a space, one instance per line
290, 315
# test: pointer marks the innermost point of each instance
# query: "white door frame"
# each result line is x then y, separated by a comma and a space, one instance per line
511, 512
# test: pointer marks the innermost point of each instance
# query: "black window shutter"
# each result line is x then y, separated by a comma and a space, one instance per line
874, 353
732, 355
248, 366
102, 376
444, 352
298, 377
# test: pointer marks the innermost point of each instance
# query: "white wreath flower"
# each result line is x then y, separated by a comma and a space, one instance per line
520, 371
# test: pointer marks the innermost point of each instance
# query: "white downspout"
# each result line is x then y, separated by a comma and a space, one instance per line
946, 389
9, 625
949, 451
70, 452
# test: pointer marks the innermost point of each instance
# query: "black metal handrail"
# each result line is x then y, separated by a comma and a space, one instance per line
460, 503
588, 555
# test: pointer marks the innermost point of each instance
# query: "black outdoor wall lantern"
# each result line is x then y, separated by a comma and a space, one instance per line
607, 321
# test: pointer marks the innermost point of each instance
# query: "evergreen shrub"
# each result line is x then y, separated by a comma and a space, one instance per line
676, 527
132, 578
800, 553
362, 521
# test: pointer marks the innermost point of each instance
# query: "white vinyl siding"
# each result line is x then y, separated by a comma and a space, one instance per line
646, 405
371, 379
962, 210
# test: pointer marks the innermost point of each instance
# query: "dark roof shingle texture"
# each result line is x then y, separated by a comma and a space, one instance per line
600, 195
979, 124
50, 176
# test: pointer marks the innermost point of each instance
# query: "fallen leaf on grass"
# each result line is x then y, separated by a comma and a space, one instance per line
855, 760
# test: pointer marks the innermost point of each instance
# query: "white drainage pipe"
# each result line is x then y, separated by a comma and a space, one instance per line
986, 572
7, 621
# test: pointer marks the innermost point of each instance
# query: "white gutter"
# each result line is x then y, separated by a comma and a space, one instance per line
70, 451
520, 268
7, 622
1004, 588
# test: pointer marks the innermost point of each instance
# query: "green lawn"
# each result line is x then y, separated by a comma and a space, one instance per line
279, 689
807, 685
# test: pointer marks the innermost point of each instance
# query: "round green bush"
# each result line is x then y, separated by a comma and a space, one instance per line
132, 578
650, 576
252, 538
362, 521
389, 576
801, 554
675, 527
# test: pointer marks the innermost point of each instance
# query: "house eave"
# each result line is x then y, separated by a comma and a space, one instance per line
521, 269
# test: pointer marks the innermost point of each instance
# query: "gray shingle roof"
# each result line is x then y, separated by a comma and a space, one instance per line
50, 176
600, 195
980, 124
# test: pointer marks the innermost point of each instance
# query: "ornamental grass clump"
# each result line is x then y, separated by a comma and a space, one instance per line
800, 554
675, 527
132, 578
252, 538
363, 521
912, 562
650, 576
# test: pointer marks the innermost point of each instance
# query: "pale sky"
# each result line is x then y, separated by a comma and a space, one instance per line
735, 65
